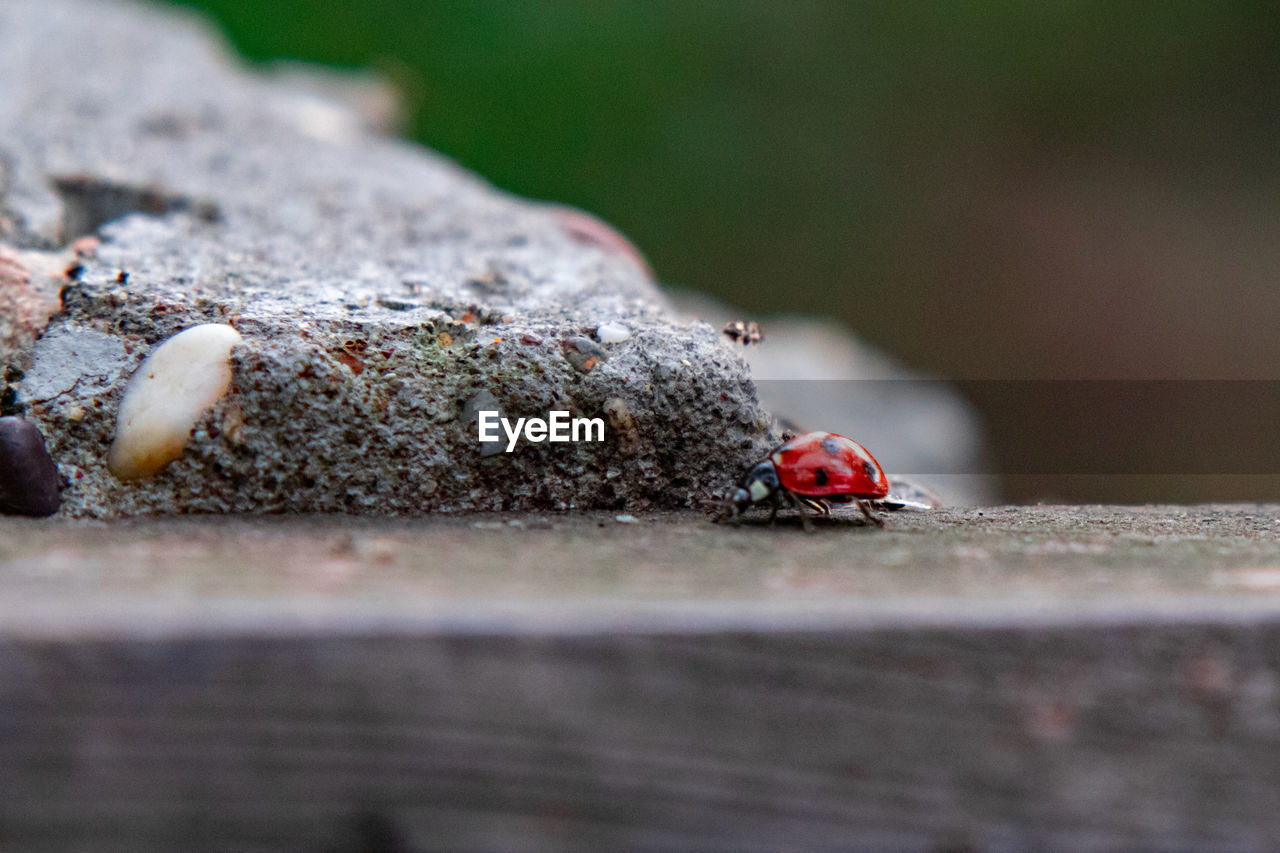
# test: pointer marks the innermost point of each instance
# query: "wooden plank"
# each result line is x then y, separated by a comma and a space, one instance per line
902, 720
1161, 736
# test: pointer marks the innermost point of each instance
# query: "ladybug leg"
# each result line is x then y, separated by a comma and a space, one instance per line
865, 506
821, 507
773, 512
799, 503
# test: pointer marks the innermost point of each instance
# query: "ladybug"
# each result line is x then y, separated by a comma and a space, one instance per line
812, 470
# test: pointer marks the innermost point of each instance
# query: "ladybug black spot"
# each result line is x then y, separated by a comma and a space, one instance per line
869, 470
820, 476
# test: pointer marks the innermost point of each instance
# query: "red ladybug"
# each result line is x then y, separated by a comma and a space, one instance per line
812, 470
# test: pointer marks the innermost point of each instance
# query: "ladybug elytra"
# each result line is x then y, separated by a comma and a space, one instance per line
813, 470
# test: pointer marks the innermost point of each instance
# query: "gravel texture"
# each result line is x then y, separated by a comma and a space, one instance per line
378, 287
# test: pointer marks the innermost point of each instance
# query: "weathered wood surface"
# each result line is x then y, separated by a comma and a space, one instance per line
1034, 678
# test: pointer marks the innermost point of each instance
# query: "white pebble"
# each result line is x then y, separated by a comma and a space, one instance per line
612, 333
175, 385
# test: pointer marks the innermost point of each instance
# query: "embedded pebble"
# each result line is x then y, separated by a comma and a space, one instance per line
471, 409
585, 228
392, 304
583, 353
74, 356
28, 477
622, 424
612, 332
175, 385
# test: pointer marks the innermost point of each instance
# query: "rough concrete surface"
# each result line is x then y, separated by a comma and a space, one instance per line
378, 287
995, 679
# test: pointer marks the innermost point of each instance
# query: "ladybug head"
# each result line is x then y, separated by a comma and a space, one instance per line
760, 484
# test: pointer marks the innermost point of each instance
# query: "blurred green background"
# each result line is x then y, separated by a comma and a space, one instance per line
1075, 189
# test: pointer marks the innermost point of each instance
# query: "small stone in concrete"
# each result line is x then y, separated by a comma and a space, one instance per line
174, 386
583, 353
28, 295
74, 357
28, 477
612, 332
484, 401
585, 228
621, 424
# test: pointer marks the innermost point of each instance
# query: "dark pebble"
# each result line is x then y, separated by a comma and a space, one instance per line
396, 304
28, 477
583, 353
